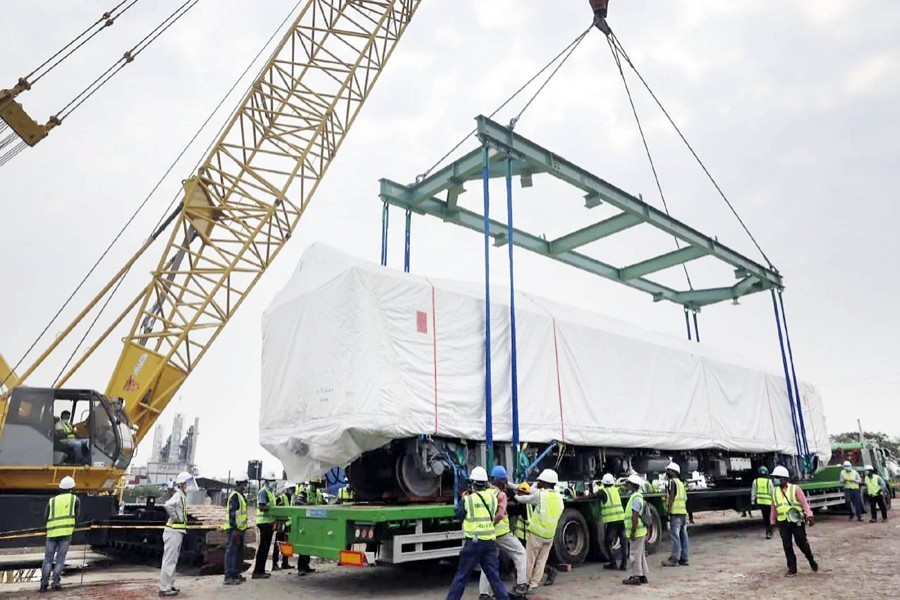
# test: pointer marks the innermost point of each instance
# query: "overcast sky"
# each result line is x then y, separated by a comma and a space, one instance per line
794, 106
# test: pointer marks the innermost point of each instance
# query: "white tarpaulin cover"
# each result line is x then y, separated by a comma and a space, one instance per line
355, 355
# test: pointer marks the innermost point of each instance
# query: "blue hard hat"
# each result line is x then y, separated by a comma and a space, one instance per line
498, 472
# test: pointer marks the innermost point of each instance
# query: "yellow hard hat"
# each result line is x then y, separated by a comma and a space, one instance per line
524, 487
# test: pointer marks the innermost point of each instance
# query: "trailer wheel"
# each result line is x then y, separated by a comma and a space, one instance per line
654, 531
573, 540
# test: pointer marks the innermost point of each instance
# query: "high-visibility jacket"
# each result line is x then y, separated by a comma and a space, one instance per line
61, 517
284, 500
850, 479
641, 530
68, 430
763, 487
345, 494
612, 510
481, 507
543, 519
502, 526
679, 505
873, 485
264, 518
314, 496
784, 502
240, 515
520, 527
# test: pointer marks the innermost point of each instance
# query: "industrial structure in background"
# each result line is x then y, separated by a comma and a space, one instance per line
171, 455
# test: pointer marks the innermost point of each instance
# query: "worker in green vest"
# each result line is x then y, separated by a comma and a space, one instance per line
851, 481
235, 529
476, 508
636, 531
283, 497
791, 512
265, 500
761, 497
174, 532
876, 489
61, 515
345, 494
676, 507
507, 543
545, 506
612, 515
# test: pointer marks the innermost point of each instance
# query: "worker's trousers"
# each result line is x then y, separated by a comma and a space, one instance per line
473, 554
876, 502
54, 556
234, 554
854, 502
265, 542
637, 556
280, 536
513, 548
765, 511
171, 549
797, 533
616, 530
537, 550
678, 533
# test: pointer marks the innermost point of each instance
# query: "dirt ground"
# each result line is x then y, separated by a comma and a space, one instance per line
730, 558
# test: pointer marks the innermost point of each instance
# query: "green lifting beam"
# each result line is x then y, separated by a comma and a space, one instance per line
527, 159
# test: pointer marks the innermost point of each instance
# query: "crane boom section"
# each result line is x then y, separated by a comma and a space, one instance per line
250, 192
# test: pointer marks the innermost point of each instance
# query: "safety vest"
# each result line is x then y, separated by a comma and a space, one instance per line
479, 521
763, 486
502, 527
873, 486
314, 496
68, 430
284, 500
848, 478
264, 518
345, 494
542, 522
61, 519
240, 517
641, 530
612, 510
679, 505
785, 502
183, 525
520, 527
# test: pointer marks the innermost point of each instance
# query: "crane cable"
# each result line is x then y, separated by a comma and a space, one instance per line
640, 127
165, 220
569, 48
621, 50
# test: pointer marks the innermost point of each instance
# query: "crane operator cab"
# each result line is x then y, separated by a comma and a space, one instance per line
64, 427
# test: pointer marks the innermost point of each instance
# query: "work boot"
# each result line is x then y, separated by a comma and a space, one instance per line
670, 562
55, 587
644, 579
610, 566
520, 589
232, 581
275, 567
167, 593
551, 575
633, 580
769, 534
242, 578
285, 564
260, 575
485, 597
683, 562
622, 567
790, 573
44, 589
814, 565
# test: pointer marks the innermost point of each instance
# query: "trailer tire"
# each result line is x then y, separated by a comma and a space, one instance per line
572, 540
654, 531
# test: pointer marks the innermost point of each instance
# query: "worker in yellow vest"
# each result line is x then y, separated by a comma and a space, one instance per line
545, 506
851, 481
636, 531
345, 494
761, 497
311, 496
612, 514
173, 534
791, 512
61, 516
235, 529
507, 543
876, 489
477, 508
676, 507
265, 522
283, 497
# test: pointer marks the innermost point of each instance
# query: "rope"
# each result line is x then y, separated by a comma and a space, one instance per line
574, 42
127, 58
640, 127
514, 383
624, 54
787, 337
488, 398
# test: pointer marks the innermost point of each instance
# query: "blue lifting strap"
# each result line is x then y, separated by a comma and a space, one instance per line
797, 397
406, 241
488, 425
512, 309
385, 213
787, 377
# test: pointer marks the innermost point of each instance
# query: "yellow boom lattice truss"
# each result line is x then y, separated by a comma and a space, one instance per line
251, 191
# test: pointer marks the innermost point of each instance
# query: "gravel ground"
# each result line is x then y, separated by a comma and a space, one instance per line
729, 558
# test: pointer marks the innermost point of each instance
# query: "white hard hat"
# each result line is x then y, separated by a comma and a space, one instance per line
780, 471
868, 468
478, 474
608, 479
241, 477
548, 476
847, 464
270, 476
183, 477
673, 466
636, 480
67, 483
